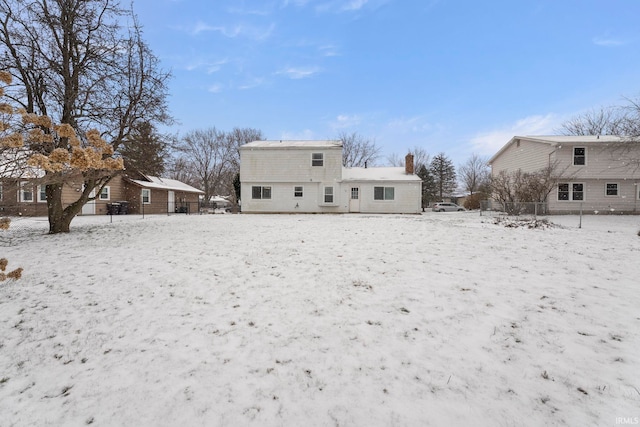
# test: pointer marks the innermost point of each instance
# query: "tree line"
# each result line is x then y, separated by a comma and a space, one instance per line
85, 97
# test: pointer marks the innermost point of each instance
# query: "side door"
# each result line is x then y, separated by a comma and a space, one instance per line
89, 208
171, 202
354, 200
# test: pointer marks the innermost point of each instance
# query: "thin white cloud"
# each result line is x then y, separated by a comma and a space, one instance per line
233, 31
255, 12
328, 50
608, 41
488, 143
215, 88
342, 6
303, 135
297, 73
416, 124
252, 83
199, 63
298, 3
355, 5
345, 121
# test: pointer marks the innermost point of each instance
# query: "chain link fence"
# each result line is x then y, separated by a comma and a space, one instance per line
515, 209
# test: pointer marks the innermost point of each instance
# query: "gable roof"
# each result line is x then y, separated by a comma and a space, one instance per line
377, 174
158, 183
555, 140
297, 144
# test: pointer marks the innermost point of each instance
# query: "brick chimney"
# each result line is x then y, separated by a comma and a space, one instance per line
408, 164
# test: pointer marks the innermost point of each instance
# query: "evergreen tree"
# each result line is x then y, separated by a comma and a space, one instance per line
444, 175
145, 151
428, 185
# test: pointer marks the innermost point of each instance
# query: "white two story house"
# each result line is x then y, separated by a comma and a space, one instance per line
308, 177
595, 172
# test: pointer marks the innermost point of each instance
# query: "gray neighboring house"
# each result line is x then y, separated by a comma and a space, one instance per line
595, 172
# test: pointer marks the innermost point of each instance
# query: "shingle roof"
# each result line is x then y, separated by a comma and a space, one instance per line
166, 184
293, 144
377, 174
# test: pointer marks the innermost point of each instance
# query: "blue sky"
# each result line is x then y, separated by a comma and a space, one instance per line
452, 76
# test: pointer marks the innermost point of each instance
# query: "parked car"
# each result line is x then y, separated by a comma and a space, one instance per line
447, 207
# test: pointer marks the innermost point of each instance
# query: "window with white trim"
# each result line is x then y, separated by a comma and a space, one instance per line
260, 192
611, 189
317, 159
26, 192
570, 191
105, 194
383, 193
579, 156
42, 193
146, 196
298, 191
328, 194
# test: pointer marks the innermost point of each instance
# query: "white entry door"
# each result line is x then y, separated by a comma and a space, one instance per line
354, 200
89, 208
171, 202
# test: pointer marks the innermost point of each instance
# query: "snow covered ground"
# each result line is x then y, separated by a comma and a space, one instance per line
321, 320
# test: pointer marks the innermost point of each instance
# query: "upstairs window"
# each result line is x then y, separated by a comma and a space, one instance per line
579, 156
383, 193
317, 159
258, 192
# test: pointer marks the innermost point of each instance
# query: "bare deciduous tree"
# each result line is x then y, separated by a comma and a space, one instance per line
474, 174
358, 151
420, 158
209, 154
71, 62
623, 121
519, 186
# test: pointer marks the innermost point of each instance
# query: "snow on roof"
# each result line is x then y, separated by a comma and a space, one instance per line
166, 184
293, 144
377, 174
579, 139
219, 199
13, 165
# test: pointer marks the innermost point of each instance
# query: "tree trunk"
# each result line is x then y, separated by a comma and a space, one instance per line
55, 210
60, 217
